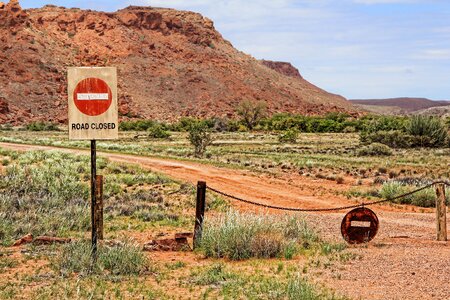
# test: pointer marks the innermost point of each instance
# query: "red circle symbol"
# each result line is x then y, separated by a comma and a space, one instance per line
92, 96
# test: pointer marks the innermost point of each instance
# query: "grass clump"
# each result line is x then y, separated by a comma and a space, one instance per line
239, 236
428, 131
233, 284
375, 149
121, 259
423, 198
42, 193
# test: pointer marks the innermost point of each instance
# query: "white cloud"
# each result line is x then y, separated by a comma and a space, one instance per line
369, 2
434, 54
349, 47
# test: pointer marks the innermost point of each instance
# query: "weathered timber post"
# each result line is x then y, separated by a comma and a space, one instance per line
98, 211
199, 211
93, 198
441, 210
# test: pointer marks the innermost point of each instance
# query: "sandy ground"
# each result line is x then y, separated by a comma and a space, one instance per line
402, 262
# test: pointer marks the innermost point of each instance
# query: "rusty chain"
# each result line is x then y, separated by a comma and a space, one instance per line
325, 209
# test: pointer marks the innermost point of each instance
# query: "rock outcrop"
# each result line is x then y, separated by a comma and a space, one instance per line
284, 68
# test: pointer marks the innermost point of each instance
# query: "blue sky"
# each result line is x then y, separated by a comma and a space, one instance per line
356, 48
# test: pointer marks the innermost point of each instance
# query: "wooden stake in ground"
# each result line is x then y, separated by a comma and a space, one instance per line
199, 211
441, 210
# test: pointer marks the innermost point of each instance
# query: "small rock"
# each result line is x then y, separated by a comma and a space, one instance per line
178, 244
23, 240
48, 240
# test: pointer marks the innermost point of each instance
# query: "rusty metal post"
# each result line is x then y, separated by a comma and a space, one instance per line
93, 198
98, 212
441, 210
199, 211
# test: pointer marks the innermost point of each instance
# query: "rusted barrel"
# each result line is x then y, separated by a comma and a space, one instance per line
360, 225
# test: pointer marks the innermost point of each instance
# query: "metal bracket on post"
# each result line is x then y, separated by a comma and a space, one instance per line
441, 210
199, 211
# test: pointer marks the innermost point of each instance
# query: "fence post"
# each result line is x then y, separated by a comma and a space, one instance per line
441, 218
199, 211
98, 210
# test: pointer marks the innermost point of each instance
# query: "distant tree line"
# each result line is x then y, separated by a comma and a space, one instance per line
393, 131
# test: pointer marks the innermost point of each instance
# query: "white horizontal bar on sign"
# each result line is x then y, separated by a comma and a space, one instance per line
92, 96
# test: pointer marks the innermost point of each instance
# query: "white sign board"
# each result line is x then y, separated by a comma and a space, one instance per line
93, 110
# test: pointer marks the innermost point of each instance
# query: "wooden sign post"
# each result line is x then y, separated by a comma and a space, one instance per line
93, 115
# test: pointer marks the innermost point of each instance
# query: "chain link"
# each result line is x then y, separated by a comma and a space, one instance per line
325, 209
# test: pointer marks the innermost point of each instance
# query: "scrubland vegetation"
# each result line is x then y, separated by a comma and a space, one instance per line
373, 149
46, 193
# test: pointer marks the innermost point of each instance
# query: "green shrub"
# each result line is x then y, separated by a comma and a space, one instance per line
392, 189
289, 136
200, 137
375, 149
42, 126
240, 236
186, 123
371, 124
392, 138
139, 125
157, 131
428, 131
423, 198
6, 127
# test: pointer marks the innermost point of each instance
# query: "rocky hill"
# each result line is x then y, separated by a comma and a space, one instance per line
170, 63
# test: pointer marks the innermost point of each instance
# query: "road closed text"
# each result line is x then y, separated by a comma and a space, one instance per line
93, 126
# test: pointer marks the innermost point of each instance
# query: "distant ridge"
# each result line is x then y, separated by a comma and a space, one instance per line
398, 105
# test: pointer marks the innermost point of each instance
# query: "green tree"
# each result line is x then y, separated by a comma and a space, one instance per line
200, 137
251, 112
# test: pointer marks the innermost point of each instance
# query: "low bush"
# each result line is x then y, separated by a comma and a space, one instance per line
6, 127
392, 138
418, 131
240, 236
423, 198
375, 149
289, 136
371, 123
42, 126
139, 125
158, 132
392, 189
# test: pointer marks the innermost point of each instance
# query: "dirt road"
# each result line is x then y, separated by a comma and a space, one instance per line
403, 262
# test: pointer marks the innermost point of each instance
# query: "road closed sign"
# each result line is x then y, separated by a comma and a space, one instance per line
92, 94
